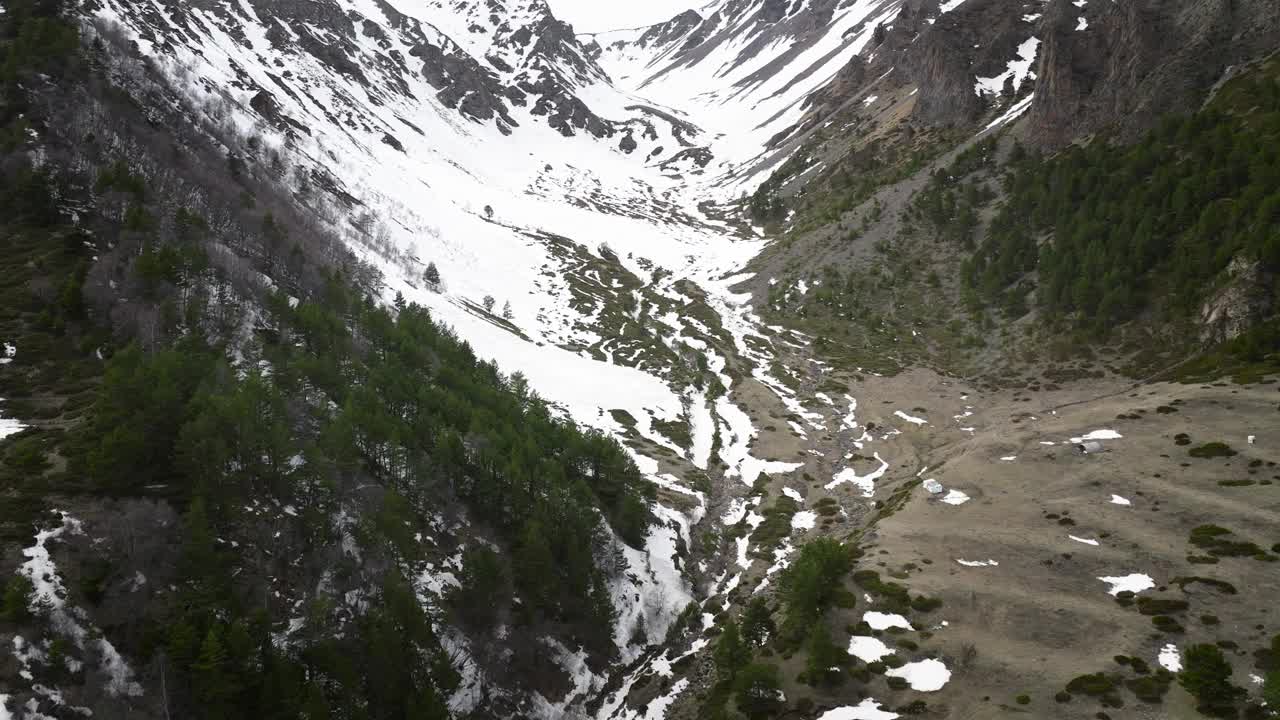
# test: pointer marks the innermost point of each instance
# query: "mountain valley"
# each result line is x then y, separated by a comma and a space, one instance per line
838, 359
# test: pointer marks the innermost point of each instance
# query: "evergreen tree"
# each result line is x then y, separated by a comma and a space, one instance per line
731, 654
757, 623
758, 691
431, 276
1207, 676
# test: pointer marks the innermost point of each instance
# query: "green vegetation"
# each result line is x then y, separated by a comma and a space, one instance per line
1211, 450
758, 691
812, 584
369, 420
1207, 676
1153, 222
1160, 606
1214, 540
1221, 586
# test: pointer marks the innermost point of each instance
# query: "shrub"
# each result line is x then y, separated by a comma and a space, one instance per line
1207, 676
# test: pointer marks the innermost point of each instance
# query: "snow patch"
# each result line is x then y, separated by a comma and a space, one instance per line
884, 621
868, 649
1136, 583
925, 676
868, 709
1170, 659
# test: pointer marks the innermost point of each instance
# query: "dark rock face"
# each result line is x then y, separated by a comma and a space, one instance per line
1138, 60
976, 39
463, 84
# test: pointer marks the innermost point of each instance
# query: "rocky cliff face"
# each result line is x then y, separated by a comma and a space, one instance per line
1239, 305
1137, 61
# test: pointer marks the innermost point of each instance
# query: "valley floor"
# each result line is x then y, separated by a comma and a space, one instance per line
1028, 540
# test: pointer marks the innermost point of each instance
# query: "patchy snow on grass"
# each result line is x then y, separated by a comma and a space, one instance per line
1170, 659
793, 494
868, 709
1117, 500
804, 520
866, 483
1135, 582
1086, 541
925, 676
884, 621
955, 497
868, 649
977, 563
1098, 435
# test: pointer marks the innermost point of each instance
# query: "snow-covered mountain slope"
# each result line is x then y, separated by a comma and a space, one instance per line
483, 138
744, 69
573, 193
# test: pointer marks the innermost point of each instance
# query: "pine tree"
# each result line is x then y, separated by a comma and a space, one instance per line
731, 655
431, 276
757, 623
758, 691
488, 303
215, 687
507, 314
1207, 676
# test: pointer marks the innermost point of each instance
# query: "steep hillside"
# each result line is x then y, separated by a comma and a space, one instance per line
826, 359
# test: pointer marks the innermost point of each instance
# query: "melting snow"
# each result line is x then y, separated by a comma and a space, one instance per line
1098, 435
925, 675
1018, 69
884, 621
868, 649
866, 483
910, 419
1170, 659
977, 563
1136, 582
1117, 500
955, 497
1012, 114
868, 709
804, 520
1082, 23
1086, 541
793, 494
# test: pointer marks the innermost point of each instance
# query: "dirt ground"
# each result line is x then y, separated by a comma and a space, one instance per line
1042, 616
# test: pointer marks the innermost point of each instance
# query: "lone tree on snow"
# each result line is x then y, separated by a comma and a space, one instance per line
431, 276
506, 311
488, 303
